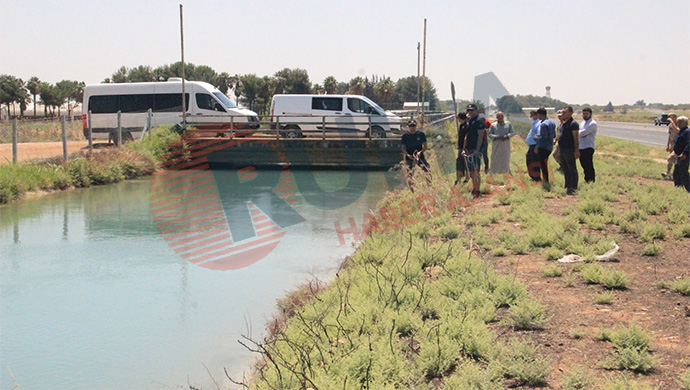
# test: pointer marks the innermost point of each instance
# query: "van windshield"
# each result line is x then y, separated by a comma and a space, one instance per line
225, 100
376, 106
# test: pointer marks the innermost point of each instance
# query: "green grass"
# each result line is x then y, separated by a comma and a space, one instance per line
41, 131
137, 158
604, 297
552, 271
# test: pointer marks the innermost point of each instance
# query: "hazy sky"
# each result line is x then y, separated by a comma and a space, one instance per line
587, 51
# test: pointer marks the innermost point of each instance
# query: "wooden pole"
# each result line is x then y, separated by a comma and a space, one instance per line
418, 79
14, 139
184, 103
424, 73
64, 138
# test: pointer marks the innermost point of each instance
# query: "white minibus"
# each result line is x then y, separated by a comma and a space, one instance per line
298, 114
208, 109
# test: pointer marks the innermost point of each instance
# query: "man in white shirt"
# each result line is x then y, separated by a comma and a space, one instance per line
587, 133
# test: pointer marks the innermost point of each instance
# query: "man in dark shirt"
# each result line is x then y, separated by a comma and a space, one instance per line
681, 148
473, 145
460, 162
569, 147
413, 144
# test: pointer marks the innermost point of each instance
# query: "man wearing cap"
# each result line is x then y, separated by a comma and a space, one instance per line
569, 146
461, 162
473, 144
413, 144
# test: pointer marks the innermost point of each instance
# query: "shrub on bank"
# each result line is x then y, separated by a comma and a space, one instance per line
136, 159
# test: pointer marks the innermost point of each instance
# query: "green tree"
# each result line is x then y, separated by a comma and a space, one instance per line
12, 91
330, 84
383, 90
252, 88
406, 91
49, 97
640, 103
140, 74
120, 75
317, 89
508, 104
223, 82
33, 85
357, 86
292, 81
608, 107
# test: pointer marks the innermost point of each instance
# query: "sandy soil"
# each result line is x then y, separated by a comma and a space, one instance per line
664, 314
38, 150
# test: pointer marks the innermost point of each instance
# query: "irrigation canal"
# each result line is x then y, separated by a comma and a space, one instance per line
95, 294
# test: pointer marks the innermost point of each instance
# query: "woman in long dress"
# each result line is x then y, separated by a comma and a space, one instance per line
500, 134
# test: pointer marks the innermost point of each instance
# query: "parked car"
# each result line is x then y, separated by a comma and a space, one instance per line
662, 119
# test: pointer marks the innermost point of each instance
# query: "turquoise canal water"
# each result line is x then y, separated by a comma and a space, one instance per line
93, 296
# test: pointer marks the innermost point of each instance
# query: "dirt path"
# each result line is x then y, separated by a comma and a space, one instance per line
38, 150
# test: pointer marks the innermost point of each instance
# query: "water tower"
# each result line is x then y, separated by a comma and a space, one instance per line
548, 92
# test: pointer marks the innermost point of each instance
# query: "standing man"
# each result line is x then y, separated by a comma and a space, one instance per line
473, 145
569, 147
413, 145
500, 133
587, 133
545, 138
461, 162
485, 143
531, 159
672, 133
681, 147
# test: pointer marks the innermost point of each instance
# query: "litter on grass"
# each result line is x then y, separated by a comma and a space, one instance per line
608, 256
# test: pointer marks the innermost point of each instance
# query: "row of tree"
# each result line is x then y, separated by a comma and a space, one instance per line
14, 91
256, 92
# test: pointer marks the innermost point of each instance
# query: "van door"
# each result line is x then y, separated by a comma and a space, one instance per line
328, 111
209, 115
361, 111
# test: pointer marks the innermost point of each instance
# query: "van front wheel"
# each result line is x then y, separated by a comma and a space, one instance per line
292, 132
377, 132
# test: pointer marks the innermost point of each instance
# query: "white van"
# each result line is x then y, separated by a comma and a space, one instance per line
208, 109
298, 114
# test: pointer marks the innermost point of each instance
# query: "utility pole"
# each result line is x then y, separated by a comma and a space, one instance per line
184, 103
418, 80
424, 73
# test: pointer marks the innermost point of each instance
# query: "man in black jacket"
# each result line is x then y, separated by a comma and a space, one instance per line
681, 148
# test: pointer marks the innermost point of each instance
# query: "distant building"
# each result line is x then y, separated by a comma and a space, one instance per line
410, 106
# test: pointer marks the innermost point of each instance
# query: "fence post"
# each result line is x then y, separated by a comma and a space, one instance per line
149, 119
370, 130
232, 125
64, 138
14, 140
277, 127
119, 129
90, 134
323, 127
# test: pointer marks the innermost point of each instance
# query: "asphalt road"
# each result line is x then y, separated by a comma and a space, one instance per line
643, 133
638, 132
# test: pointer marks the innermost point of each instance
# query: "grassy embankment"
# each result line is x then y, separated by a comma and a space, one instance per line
420, 304
135, 159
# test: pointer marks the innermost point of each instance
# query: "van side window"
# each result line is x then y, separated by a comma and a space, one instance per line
359, 105
326, 103
206, 102
104, 104
136, 103
168, 102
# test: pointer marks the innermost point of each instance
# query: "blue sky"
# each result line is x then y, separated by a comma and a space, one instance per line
587, 51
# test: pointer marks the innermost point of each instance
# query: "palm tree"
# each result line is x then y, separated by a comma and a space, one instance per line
330, 84
33, 86
357, 86
317, 89
384, 90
